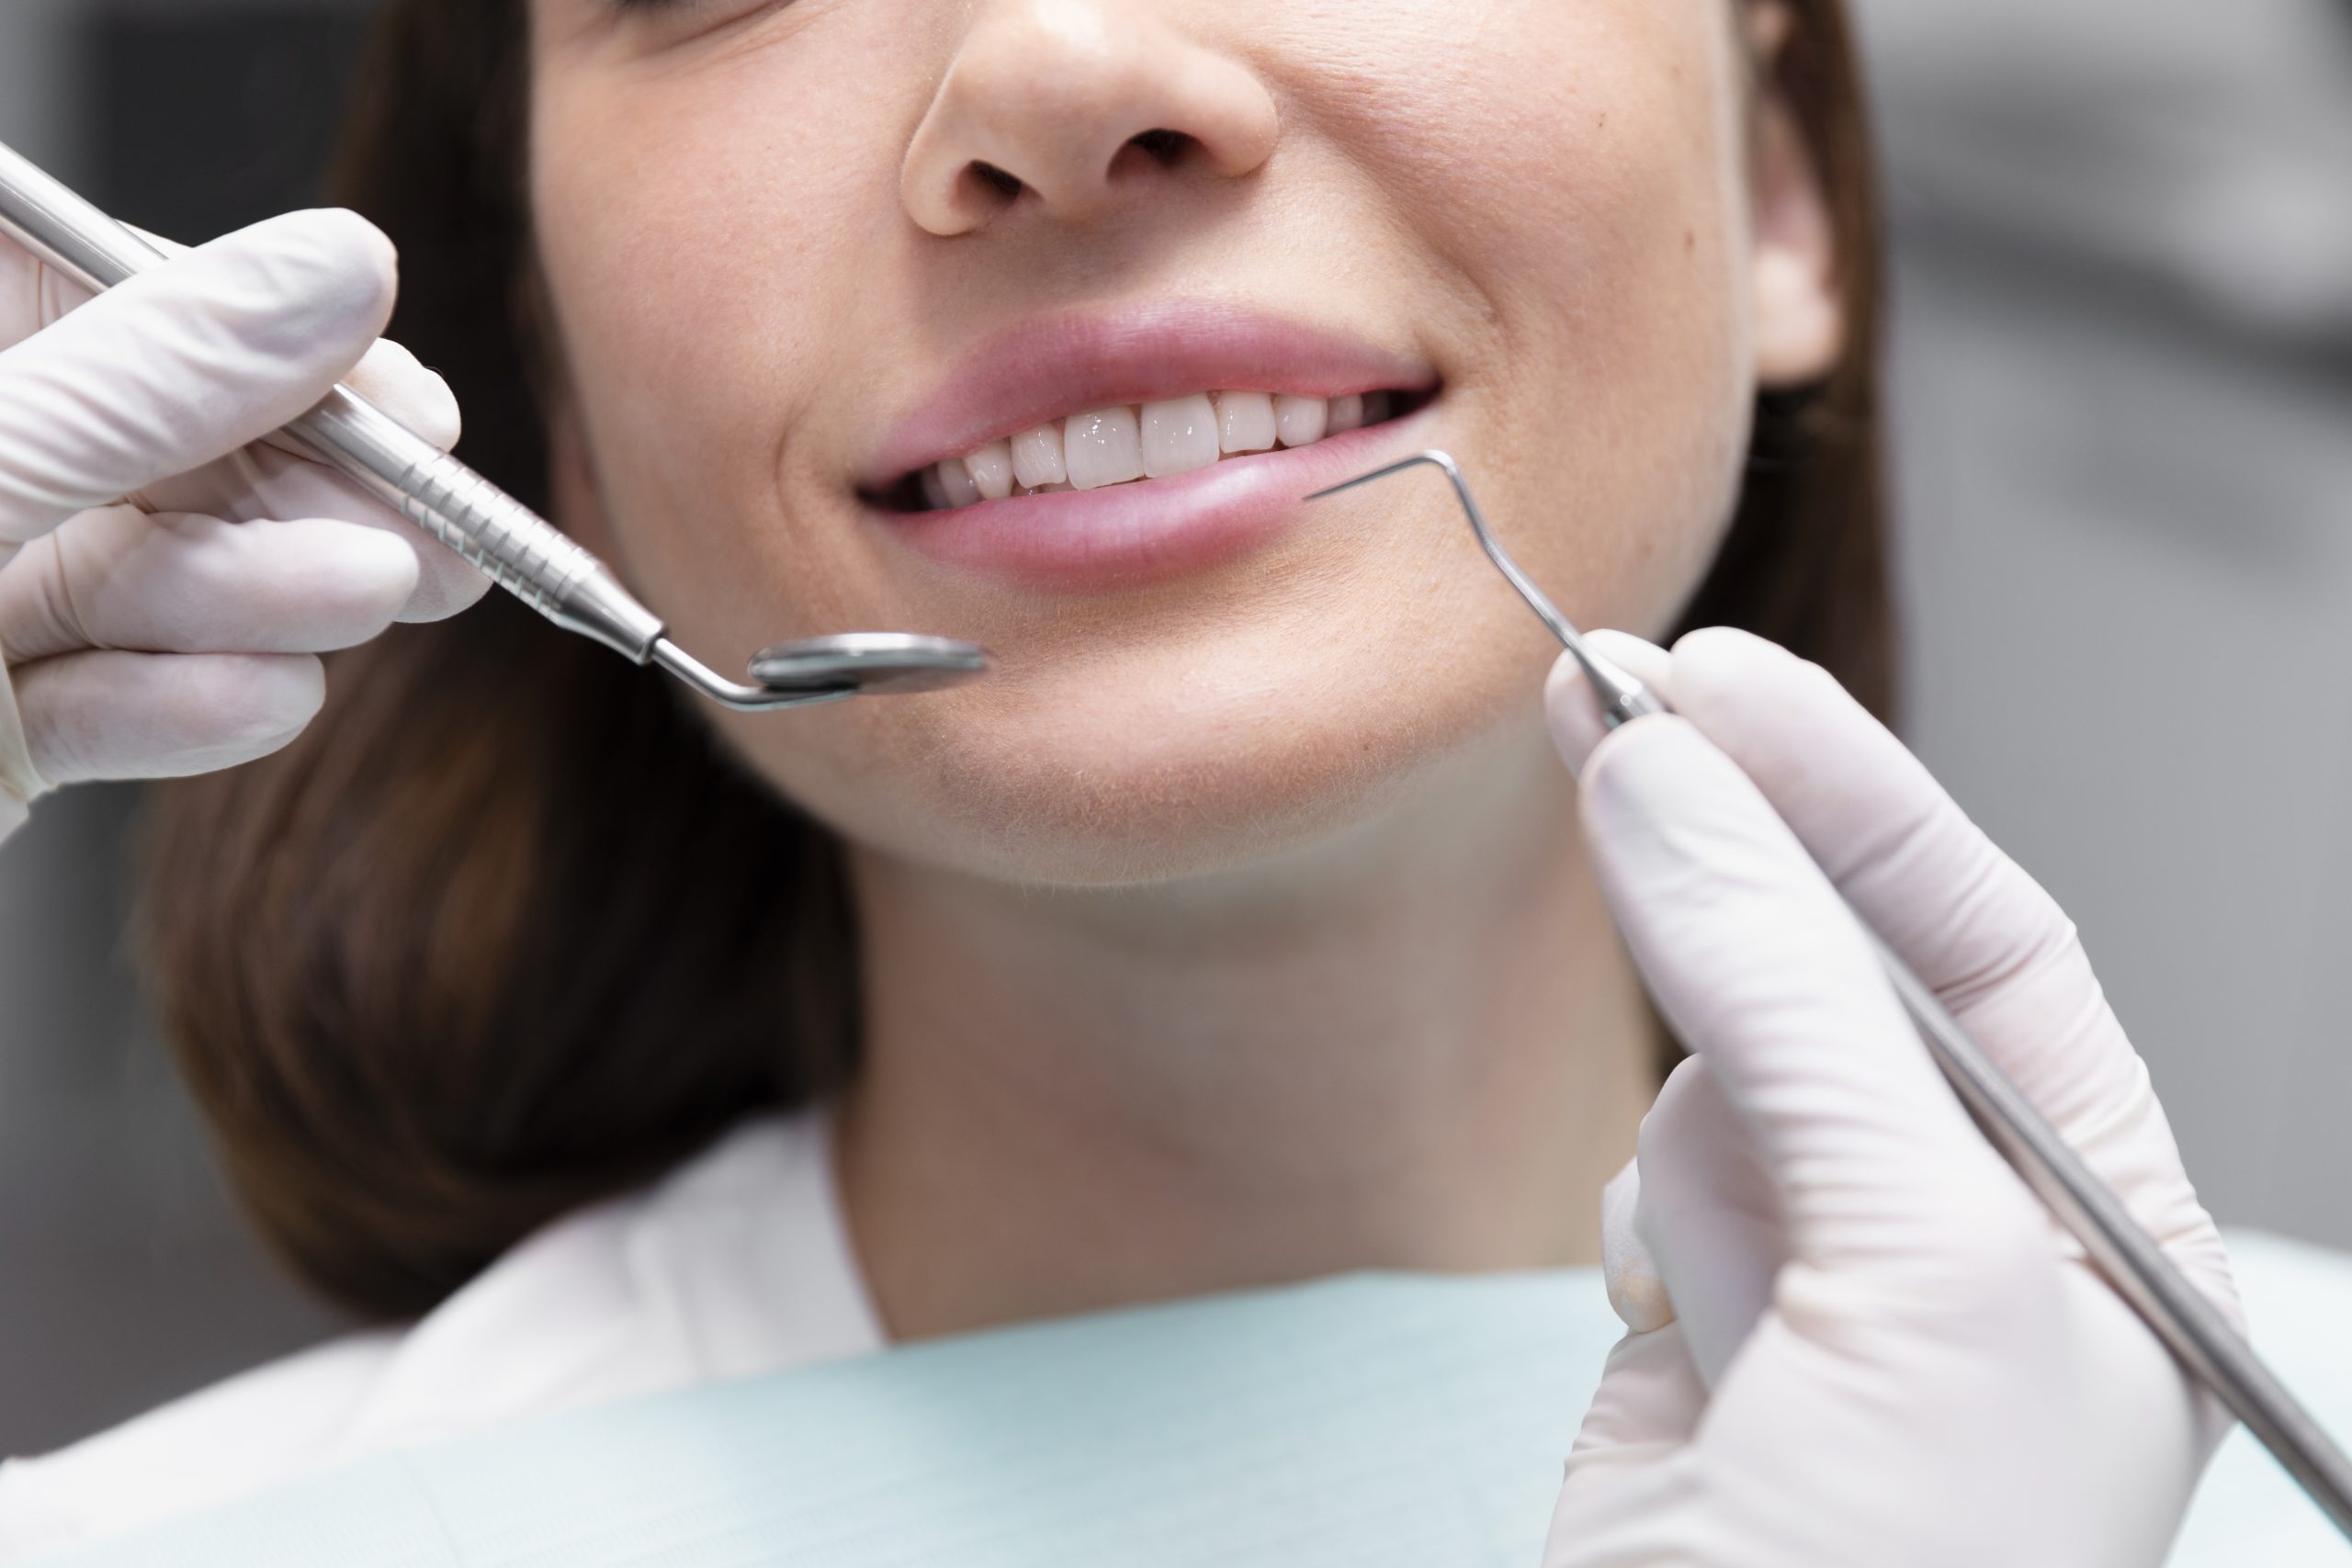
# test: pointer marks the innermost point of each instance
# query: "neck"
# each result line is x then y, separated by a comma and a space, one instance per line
1416, 1046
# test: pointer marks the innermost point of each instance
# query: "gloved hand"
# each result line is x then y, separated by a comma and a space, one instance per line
1854, 1337
165, 586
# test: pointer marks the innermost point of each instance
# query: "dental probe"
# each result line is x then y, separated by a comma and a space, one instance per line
520, 551
2180, 1313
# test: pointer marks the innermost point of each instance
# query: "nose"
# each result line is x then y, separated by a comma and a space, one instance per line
1077, 105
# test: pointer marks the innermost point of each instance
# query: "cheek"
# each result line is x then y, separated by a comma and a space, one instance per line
696, 247
1588, 184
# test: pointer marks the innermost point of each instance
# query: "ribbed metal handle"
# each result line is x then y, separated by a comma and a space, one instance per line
520, 551
498, 535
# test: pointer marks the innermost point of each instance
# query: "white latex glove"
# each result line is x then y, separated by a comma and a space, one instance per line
164, 586
1854, 1337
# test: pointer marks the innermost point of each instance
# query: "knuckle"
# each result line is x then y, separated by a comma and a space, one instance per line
55, 618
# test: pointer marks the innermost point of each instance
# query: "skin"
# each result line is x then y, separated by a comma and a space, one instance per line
1237, 930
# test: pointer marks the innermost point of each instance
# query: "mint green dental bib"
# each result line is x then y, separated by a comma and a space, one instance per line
1362, 1422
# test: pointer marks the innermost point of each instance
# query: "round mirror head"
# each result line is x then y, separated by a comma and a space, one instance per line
870, 663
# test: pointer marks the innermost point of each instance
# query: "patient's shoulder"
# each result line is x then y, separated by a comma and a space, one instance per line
735, 1264
234, 1438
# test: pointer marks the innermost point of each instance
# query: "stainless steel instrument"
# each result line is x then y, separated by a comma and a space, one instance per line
520, 551
2182, 1316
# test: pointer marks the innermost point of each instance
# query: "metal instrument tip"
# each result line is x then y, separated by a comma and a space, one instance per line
1622, 697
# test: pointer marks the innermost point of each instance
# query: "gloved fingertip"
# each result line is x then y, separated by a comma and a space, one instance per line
1727, 642
330, 272
281, 694
379, 574
1729, 676
448, 585
1642, 659
396, 381
363, 241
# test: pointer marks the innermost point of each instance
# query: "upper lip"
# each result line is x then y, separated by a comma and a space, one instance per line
1072, 363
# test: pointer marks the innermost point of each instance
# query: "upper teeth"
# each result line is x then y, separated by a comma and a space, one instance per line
1129, 441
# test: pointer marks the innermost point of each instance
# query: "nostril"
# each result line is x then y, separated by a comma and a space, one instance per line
1165, 148
995, 179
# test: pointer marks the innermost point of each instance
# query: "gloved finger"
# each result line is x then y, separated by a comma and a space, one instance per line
1992, 943
387, 375
32, 294
185, 363
274, 479
398, 382
109, 715
119, 579
1577, 725
1648, 1404
280, 481
1709, 1216
261, 482
1762, 970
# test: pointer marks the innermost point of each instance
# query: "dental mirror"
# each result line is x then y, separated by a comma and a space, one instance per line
833, 669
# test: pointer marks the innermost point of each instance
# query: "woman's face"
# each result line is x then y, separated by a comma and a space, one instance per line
791, 272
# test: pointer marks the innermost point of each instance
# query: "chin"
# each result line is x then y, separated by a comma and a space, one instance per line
1137, 769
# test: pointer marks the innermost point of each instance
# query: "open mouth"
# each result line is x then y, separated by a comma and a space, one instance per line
1132, 443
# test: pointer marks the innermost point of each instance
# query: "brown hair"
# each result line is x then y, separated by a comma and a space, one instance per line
475, 951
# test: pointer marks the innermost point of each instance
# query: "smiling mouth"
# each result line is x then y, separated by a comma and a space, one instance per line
1130, 444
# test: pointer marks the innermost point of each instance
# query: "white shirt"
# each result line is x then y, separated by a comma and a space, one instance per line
737, 1263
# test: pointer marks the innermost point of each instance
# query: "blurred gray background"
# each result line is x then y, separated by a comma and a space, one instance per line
2122, 367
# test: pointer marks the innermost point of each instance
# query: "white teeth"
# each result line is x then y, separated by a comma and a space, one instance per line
1105, 447
1300, 421
1179, 436
1245, 422
1114, 445
1037, 458
957, 480
991, 468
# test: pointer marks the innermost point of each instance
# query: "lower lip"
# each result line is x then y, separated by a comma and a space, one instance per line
1135, 535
